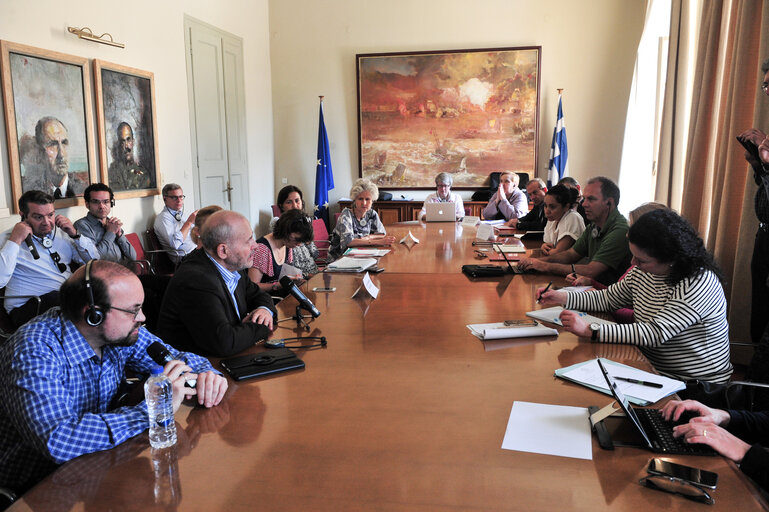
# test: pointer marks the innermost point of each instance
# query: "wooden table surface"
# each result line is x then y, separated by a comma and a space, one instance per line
404, 410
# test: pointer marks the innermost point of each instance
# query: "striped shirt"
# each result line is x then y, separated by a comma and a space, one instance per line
680, 328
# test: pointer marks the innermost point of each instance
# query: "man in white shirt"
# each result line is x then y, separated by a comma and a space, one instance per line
508, 201
171, 228
56, 244
104, 231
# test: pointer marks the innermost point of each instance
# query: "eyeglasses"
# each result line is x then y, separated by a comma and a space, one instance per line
105, 202
765, 88
175, 198
135, 312
677, 486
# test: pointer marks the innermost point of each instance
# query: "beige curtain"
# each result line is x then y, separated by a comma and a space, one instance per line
716, 175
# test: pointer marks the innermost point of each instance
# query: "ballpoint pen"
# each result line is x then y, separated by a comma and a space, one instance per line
544, 291
641, 382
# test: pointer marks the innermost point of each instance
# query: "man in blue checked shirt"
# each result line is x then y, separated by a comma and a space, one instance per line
59, 373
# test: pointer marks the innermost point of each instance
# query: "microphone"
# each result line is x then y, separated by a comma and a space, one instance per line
162, 356
32, 247
304, 302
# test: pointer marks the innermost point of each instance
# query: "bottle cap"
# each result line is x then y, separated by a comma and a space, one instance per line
157, 370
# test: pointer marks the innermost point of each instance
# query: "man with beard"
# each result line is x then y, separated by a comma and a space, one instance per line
60, 372
211, 306
57, 245
49, 171
125, 173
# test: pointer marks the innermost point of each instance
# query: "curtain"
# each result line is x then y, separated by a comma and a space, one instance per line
723, 102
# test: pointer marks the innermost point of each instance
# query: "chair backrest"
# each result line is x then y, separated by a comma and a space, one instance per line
141, 265
133, 239
158, 256
276, 210
320, 238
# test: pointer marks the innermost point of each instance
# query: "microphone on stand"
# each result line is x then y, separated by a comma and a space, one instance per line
288, 284
162, 356
32, 247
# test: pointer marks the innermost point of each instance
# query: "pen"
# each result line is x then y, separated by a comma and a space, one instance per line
544, 291
641, 382
573, 270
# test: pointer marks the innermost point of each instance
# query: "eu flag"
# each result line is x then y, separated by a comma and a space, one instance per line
324, 175
559, 153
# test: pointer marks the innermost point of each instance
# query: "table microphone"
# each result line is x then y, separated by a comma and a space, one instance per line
32, 247
288, 284
162, 356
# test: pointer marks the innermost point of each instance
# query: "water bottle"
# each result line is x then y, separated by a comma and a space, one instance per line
158, 393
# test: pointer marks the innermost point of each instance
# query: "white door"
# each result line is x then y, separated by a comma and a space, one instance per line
217, 112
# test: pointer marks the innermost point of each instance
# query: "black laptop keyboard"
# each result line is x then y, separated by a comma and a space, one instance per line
660, 432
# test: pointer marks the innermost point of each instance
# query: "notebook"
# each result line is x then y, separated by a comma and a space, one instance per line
263, 363
655, 431
441, 212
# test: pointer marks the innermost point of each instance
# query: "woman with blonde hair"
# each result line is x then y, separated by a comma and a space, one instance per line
359, 225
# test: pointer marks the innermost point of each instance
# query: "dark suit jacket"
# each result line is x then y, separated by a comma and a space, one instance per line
197, 312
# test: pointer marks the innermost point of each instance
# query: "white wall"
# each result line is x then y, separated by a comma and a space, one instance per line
153, 33
588, 48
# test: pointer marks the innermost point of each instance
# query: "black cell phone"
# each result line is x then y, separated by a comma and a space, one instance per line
750, 147
327, 290
696, 476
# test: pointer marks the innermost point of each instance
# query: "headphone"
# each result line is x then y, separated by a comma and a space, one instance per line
94, 315
177, 215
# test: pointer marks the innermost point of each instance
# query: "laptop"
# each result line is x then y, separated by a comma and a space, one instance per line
441, 212
657, 433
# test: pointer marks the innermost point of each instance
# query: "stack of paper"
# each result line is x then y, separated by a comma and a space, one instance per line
470, 220
361, 251
553, 314
510, 248
498, 331
349, 264
589, 374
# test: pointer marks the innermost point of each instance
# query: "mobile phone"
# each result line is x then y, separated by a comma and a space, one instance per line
696, 476
321, 289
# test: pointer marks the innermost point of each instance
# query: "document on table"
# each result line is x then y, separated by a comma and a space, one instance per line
360, 251
549, 429
470, 220
510, 248
499, 330
349, 264
589, 375
553, 314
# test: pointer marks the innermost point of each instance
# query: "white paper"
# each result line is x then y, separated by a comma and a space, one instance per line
485, 232
370, 286
498, 331
577, 289
552, 315
359, 251
549, 429
470, 220
509, 248
289, 270
590, 374
348, 263
409, 240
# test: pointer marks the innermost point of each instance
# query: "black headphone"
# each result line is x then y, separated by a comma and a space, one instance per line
94, 315
178, 215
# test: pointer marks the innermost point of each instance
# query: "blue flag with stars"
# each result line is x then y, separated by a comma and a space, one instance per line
559, 153
324, 175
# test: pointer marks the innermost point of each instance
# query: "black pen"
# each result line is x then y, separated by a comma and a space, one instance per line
573, 270
641, 382
544, 291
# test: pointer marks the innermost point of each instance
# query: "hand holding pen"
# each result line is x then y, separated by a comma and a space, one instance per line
548, 297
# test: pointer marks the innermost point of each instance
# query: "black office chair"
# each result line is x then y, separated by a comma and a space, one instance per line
7, 497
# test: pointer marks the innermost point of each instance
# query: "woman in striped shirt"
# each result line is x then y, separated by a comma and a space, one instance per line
676, 292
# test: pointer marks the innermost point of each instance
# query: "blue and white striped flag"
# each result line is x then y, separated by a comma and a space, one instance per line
559, 153
324, 175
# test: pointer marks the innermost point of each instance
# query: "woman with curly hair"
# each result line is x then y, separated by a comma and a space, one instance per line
678, 300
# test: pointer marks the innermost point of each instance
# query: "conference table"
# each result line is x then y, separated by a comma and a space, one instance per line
403, 410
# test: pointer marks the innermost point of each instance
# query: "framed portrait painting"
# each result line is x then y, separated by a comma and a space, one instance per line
465, 112
48, 122
127, 129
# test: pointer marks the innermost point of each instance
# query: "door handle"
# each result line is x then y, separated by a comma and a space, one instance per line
229, 192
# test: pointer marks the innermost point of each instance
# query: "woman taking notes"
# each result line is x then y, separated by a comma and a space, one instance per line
676, 293
564, 225
359, 225
276, 249
290, 198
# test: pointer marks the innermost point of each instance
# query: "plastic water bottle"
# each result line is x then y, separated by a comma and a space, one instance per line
158, 393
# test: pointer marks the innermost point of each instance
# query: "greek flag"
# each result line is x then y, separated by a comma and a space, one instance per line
559, 153
324, 175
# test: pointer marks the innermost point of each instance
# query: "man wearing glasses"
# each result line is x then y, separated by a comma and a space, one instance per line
60, 374
171, 228
106, 232
36, 255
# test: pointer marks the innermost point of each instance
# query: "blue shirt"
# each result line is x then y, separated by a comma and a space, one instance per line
230, 280
57, 394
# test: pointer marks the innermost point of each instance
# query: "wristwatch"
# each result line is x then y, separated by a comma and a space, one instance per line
594, 328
